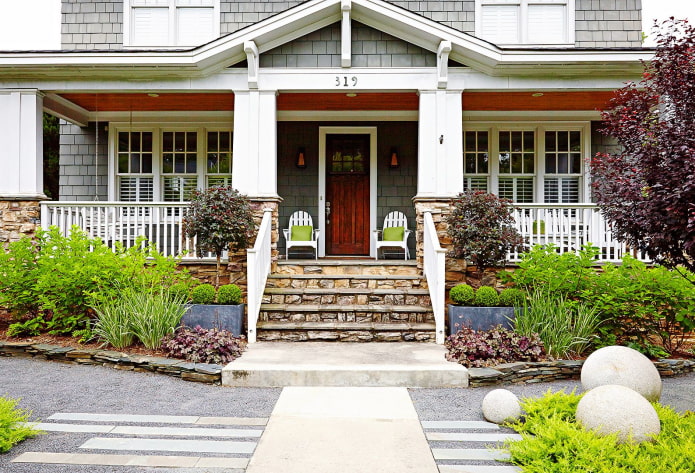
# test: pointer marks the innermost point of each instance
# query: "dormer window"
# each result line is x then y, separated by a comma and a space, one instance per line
170, 23
533, 22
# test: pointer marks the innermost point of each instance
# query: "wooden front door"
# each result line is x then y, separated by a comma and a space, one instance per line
347, 194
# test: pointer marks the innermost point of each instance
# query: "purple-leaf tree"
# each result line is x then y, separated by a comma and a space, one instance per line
220, 218
647, 190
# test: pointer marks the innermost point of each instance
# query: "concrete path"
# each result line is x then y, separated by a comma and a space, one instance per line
343, 430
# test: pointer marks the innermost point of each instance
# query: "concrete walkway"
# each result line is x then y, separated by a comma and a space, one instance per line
341, 430
271, 364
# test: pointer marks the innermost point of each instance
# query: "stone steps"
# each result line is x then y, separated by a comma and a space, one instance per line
346, 300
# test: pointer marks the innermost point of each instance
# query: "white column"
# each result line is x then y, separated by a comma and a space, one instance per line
254, 170
440, 144
21, 144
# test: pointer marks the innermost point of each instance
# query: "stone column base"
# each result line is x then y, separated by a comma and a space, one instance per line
18, 218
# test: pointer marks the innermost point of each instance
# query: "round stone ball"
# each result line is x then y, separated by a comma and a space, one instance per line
623, 366
500, 406
616, 409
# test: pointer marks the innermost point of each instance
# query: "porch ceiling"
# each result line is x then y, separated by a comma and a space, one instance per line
143, 102
532, 101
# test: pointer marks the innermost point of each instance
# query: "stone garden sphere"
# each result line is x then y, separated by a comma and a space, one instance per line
501, 405
623, 366
616, 409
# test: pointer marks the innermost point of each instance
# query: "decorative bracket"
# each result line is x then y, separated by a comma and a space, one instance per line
443, 64
346, 34
253, 63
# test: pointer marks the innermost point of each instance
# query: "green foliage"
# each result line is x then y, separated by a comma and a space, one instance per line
481, 229
155, 315
199, 345
182, 290
113, 320
554, 442
566, 327
229, 294
54, 279
28, 328
220, 218
462, 294
492, 347
203, 294
512, 297
487, 296
14, 425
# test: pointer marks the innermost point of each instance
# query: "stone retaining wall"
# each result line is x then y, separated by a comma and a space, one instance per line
198, 372
545, 371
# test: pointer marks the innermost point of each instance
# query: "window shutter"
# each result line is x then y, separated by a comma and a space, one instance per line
547, 24
563, 190
136, 189
500, 24
194, 26
150, 27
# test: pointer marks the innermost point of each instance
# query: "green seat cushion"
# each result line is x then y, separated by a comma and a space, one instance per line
538, 227
394, 233
301, 232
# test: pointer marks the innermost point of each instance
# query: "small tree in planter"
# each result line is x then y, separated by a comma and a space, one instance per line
221, 219
480, 227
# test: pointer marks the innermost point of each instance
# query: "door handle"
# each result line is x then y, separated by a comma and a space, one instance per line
328, 209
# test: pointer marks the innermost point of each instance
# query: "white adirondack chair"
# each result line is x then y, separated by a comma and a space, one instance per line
393, 219
300, 218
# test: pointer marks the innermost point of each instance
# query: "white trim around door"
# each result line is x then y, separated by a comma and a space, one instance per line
352, 130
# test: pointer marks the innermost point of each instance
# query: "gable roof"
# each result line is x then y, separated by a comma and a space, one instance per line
305, 18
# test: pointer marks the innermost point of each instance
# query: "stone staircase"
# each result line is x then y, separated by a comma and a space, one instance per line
346, 300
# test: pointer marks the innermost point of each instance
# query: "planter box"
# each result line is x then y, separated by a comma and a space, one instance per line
221, 317
479, 318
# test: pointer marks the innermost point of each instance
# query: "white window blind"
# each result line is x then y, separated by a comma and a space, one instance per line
150, 26
194, 25
500, 23
165, 23
136, 189
509, 22
547, 24
562, 190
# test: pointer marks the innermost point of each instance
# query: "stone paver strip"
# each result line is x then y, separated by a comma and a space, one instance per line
169, 445
471, 437
109, 460
217, 462
461, 424
468, 454
478, 469
87, 428
154, 419
186, 431
232, 421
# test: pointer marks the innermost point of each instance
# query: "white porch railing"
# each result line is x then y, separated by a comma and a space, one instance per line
124, 222
568, 227
434, 265
258, 268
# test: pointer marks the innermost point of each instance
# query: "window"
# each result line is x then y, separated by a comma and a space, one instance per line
527, 163
168, 165
475, 160
548, 22
166, 23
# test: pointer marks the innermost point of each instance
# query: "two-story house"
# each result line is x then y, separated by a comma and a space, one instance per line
348, 109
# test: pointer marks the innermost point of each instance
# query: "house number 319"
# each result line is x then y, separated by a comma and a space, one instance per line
345, 81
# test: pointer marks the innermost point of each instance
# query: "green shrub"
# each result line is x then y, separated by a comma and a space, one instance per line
512, 297
155, 315
14, 425
181, 290
553, 441
229, 294
487, 296
56, 277
199, 345
492, 347
462, 294
566, 327
203, 294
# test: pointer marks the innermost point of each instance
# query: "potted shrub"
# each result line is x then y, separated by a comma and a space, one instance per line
483, 309
219, 309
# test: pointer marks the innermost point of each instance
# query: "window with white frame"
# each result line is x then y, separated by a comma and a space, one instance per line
167, 165
168, 23
526, 163
543, 22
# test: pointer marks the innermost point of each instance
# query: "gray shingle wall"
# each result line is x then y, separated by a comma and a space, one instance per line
77, 157
240, 14
370, 48
608, 23
459, 15
92, 24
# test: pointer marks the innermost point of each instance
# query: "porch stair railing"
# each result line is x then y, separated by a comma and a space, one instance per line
434, 264
258, 261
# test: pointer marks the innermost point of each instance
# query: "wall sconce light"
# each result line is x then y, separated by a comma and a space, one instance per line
301, 163
393, 160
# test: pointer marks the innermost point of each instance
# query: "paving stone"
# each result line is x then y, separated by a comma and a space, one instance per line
89, 428
169, 445
131, 418
470, 437
468, 454
463, 424
186, 431
232, 421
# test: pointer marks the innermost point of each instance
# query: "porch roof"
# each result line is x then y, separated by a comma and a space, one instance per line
305, 18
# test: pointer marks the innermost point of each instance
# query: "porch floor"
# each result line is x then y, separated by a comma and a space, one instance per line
275, 364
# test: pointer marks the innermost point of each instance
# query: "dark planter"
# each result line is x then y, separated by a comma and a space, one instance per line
221, 317
479, 318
